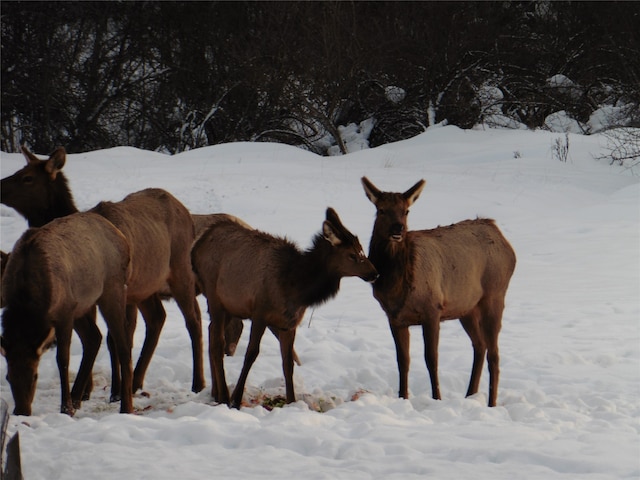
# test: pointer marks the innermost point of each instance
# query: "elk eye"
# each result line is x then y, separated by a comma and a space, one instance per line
356, 258
27, 179
406, 213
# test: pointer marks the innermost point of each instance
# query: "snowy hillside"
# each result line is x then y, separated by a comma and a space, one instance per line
569, 398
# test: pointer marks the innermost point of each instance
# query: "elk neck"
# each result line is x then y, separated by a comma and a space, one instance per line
394, 262
308, 279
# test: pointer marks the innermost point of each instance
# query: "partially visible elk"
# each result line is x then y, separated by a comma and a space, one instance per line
251, 274
54, 276
160, 231
427, 276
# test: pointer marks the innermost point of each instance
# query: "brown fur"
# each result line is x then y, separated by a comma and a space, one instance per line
251, 274
40, 192
427, 276
54, 276
4, 258
234, 326
160, 231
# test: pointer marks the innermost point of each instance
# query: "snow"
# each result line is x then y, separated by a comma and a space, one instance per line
569, 397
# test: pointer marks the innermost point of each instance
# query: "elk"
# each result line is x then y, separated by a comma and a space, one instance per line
461, 271
54, 276
251, 274
160, 231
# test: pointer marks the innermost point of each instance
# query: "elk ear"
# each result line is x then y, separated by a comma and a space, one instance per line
333, 218
373, 194
47, 342
329, 232
414, 192
56, 161
31, 158
2, 349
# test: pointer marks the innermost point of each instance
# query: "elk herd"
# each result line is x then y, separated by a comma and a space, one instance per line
121, 257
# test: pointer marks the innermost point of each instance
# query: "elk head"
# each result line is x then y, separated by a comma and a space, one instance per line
348, 259
32, 190
392, 209
23, 358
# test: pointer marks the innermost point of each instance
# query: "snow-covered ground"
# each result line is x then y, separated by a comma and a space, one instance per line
569, 398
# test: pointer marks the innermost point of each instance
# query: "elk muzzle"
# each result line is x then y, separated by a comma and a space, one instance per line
396, 232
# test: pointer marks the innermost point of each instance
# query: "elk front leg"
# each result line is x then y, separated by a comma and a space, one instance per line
431, 336
253, 350
401, 339
471, 325
287, 338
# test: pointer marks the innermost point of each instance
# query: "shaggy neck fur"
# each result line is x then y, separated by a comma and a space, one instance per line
309, 280
393, 260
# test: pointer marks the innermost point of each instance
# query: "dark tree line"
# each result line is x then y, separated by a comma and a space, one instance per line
175, 75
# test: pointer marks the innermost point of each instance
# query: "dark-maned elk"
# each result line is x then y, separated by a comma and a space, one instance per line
233, 327
54, 275
251, 274
461, 271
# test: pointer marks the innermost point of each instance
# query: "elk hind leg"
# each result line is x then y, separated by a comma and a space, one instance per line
491, 325
183, 290
431, 338
91, 338
154, 317
131, 318
114, 311
471, 325
63, 338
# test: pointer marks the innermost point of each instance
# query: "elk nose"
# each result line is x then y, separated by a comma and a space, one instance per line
396, 231
371, 276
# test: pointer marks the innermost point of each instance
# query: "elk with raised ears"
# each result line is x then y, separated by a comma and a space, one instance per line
461, 271
251, 274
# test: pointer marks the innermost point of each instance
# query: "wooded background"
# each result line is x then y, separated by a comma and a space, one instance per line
172, 76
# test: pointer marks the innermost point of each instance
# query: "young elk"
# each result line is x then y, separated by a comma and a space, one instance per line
250, 274
426, 276
55, 275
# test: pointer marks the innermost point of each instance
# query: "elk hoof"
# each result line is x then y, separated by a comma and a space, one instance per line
68, 410
230, 349
197, 387
115, 397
